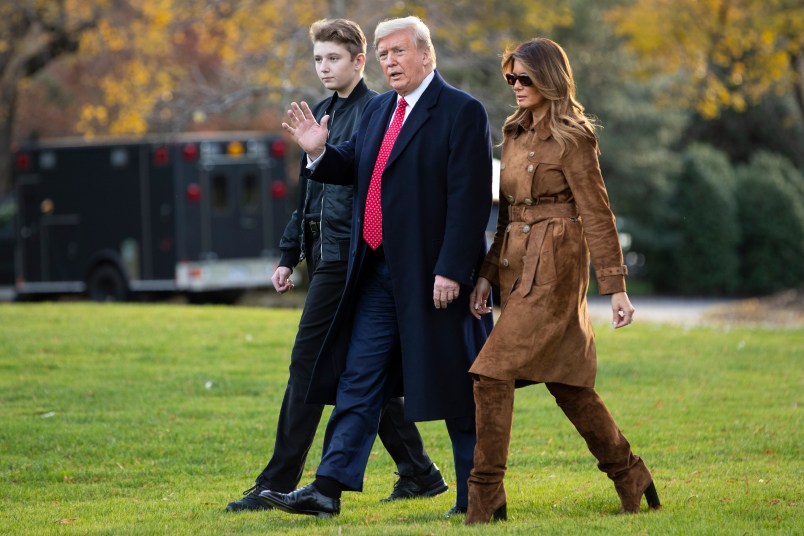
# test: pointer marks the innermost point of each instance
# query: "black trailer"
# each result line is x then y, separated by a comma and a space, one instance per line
195, 213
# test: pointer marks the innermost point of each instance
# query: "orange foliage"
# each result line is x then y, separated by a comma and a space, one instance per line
722, 53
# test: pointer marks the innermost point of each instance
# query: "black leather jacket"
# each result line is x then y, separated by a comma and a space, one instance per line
329, 203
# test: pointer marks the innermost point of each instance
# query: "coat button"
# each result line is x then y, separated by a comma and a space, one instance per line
532, 154
505, 263
528, 201
530, 168
508, 228
510, 198
526, 229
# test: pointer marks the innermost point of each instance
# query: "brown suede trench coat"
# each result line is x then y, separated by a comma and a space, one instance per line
554, 212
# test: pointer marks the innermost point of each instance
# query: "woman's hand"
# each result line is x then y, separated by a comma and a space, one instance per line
621, 309
479, 298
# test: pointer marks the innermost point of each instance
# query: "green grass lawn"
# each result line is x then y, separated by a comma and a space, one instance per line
148, 419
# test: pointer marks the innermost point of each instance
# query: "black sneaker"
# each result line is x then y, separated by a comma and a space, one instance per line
251, 499
427, 485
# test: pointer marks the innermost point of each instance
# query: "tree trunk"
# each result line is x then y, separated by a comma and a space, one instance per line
36, 43
20, 63
8, 101
6, 128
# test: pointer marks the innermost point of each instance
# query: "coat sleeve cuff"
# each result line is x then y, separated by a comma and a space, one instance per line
611, 280
491, 272
289, 259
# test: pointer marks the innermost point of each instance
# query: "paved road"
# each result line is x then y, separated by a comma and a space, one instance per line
683, 311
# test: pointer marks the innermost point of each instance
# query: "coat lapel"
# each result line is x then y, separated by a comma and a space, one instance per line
379, 123
417, 118
374, 135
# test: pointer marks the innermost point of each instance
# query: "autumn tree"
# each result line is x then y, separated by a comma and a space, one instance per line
34, 33
178, 61
169, 65
161, 65
722, 53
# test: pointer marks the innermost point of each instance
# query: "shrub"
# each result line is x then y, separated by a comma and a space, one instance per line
701, 227
770, 197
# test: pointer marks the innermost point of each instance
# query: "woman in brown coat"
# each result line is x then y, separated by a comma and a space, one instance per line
554, 213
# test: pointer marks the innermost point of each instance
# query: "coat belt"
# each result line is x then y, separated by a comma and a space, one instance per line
534, 213
539, 248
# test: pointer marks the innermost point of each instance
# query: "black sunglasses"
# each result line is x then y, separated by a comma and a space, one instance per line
524, 79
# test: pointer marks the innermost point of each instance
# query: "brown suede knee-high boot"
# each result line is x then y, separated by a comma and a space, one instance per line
587, 412
494, 402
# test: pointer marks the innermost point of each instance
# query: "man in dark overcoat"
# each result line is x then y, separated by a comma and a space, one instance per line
321, 228
421, 166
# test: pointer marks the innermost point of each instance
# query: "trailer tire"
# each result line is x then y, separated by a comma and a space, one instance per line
107, 284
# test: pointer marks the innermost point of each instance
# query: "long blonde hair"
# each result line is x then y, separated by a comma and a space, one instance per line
547, 65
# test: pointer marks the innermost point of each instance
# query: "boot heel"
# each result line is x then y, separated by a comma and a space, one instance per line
653, 497
500, 514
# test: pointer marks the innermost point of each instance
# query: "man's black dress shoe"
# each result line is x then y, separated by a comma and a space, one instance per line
250, 501
307, 500
427, 485
455, 511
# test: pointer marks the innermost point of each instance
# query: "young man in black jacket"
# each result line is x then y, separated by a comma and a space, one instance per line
320, 228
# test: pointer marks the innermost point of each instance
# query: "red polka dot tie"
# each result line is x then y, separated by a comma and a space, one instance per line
372, 218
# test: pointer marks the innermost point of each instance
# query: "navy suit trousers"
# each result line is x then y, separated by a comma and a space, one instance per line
298, 421
371, 375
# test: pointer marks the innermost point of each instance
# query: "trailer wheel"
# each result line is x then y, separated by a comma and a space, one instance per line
106, 284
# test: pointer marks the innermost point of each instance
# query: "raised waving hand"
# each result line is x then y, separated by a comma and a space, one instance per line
308, 133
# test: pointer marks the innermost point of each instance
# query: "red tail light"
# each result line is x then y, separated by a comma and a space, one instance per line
161, 156
193, 192
278, 189
22, 161
278, 148
190, 151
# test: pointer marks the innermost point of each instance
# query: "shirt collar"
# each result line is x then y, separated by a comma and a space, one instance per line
413, 97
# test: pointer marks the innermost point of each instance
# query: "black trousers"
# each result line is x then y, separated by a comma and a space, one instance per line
298, 421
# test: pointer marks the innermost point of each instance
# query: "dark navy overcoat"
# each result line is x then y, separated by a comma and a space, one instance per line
436, 198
